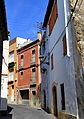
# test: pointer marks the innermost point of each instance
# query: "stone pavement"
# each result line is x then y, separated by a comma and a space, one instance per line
25, 112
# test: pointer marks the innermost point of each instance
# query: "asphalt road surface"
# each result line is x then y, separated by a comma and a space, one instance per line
25, 112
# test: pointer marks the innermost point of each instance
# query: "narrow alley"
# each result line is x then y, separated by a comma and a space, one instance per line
25, 112
42, 59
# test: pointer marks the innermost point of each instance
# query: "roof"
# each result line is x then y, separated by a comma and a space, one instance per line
3, 22
12, 41
28, 45
48, 12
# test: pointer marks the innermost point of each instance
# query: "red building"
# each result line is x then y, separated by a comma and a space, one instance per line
29, 74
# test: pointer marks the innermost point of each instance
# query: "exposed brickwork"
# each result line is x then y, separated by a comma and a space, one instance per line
25, 80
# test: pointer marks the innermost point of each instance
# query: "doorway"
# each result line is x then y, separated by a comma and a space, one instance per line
54, 92
25, 96
44, 99
34, 97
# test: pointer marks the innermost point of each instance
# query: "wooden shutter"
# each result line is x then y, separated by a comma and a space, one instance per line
64, 45
54, 15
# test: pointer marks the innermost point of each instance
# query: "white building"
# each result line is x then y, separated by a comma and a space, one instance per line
4, 75
3, 36
58, 88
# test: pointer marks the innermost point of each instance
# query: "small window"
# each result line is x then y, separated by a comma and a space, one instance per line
33, 70
62, 96
64, 45
12, 86
52, 65
21, 73
22, 56
33, 52
22, 61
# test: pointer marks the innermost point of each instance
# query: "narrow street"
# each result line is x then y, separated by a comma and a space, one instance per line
24, 112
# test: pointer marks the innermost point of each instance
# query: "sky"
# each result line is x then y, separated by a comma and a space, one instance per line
24, 16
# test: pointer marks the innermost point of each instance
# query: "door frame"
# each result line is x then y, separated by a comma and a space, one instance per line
54, 100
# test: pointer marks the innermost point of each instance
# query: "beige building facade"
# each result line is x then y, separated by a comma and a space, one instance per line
12, 73
12, 68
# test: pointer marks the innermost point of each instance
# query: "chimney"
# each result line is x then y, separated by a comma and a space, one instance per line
39, 36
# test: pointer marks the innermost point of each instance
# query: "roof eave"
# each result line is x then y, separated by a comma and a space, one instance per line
3, 22
48, 12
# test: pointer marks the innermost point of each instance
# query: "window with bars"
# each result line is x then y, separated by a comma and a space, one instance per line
33, 75
22, 60
33, 60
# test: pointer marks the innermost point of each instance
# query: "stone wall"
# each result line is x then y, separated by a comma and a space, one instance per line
63, 115
79, 25
78, 52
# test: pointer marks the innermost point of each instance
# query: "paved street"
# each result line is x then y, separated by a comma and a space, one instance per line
24, 112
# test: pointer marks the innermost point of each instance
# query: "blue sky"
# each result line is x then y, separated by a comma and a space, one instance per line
23, 17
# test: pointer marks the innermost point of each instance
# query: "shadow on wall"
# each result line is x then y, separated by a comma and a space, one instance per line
7, 115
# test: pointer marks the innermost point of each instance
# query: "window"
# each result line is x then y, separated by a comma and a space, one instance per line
11, 76
64, 45
33, 59
22, 60
33, 52
21, 73
52, 65
62, 96
22, 56
11, 56
33, 75
53, 17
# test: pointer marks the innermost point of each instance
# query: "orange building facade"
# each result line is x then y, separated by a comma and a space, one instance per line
29, 74
12, 72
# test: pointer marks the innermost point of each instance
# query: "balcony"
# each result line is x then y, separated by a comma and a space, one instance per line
11, 77
33, 60
21, 65
10, 65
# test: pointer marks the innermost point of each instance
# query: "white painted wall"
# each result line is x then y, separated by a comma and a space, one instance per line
4, 77
22, 42
5, 55
63, 71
